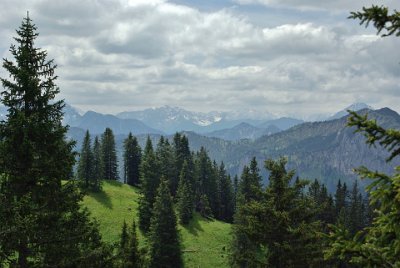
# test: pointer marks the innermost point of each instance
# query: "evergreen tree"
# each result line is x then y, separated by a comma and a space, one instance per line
109, 155
185, 202
150, 180
85, 166
226, 195
98, 165
165, 157
164, 240
181, 153
245, 252
129, 256
41, 221
132, 156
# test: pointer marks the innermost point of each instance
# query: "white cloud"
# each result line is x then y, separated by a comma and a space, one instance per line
119, 55
332, 5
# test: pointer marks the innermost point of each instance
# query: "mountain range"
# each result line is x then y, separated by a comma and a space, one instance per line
327, 150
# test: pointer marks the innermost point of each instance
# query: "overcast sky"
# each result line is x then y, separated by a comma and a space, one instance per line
286, 57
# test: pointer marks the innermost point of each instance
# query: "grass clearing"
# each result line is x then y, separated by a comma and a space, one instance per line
205, 243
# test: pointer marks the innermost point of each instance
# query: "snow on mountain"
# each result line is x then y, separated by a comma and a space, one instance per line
353, 107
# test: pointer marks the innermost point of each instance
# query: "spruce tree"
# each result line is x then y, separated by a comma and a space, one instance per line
150, 180
226, 195
185, 202
132, 156
181, 153
85, 165
109, 155
165, 157
41, 221
98, 165
164, 239
129, 256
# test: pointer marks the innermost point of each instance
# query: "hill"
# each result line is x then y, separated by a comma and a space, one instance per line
204, 242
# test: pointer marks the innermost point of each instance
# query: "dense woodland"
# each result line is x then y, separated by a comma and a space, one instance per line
288, 222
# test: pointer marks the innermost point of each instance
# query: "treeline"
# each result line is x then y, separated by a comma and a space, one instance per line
286, 223
195, 182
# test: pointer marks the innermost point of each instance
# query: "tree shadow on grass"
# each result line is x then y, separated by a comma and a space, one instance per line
102, 198
194, 226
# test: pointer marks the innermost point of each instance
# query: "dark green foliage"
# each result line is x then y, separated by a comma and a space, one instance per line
379, 244
132, 156
246, 252
185, 204
181, 153
109, 155
323, 202
164, 240
41, 221
206, 185
129, 255
165, 157
85, 165
381, 19
277, 229
204, 207
250, 183
150, 180
98, 165
226, 202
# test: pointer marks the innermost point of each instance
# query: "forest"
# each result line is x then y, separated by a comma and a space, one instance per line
286, 222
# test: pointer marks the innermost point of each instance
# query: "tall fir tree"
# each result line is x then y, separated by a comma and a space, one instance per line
128, 255
181, 153
85, 165
132, 157
109, 155
225, 195
149, 182
164, 241
165, 157
245, 252
41, 221
98, 165
185, 204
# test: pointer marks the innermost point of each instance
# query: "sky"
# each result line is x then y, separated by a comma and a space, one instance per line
283, 57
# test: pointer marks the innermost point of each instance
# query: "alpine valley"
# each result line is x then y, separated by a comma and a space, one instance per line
324, 150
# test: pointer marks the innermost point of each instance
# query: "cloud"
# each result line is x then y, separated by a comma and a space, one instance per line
120, 55
331, 5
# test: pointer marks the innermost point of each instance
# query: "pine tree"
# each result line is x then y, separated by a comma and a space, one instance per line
226, 195
134, 259
85, 165
109, 155
165, 156
129, 256
41, 221
181, 153
185, 202
164, 240
245, 252
150, 180
98, 165
132, 156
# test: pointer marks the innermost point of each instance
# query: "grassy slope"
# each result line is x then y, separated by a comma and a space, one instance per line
204, 242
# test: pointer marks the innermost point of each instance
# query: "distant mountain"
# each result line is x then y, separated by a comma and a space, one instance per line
326, 150
172, 119
96, 123
243, 131
282, 123
353, 107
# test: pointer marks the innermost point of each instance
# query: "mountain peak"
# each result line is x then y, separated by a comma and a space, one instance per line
353, 107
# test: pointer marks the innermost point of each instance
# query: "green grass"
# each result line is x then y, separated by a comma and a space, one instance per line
204, 242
